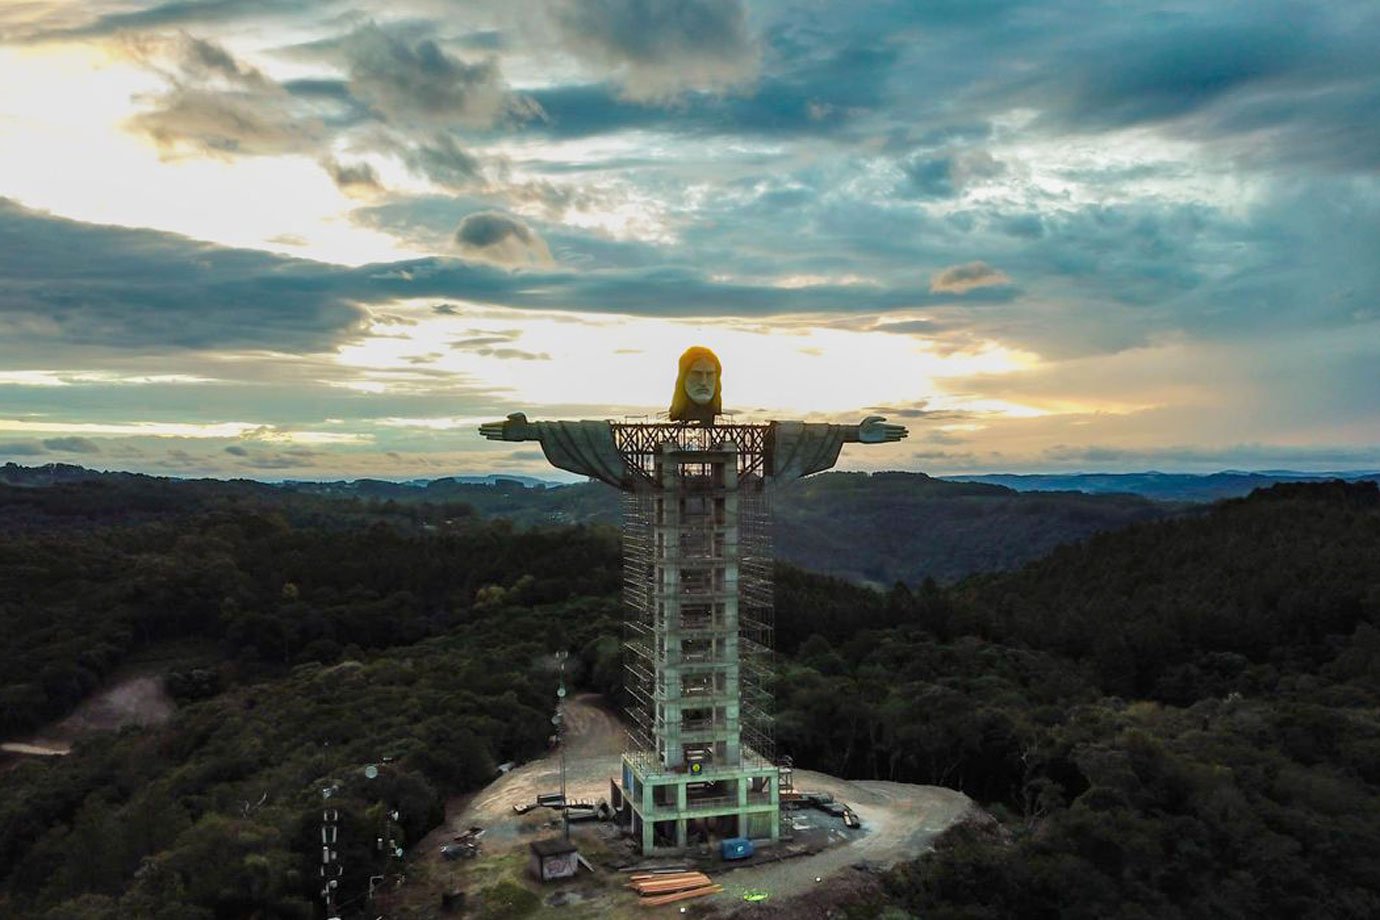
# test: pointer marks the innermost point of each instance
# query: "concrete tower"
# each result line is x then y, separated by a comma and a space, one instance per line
697, 652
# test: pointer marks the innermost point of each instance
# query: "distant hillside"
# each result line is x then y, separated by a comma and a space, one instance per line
889, 527
1187, 487
875, 529
1182, 607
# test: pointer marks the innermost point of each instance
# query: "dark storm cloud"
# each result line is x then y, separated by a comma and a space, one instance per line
80, 283
72, 445
662, 47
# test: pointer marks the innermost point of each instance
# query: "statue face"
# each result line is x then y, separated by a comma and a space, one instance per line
701, 381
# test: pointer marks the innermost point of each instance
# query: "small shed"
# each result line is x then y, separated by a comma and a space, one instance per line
554, 858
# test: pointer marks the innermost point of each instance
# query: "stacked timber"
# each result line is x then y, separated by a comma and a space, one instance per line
656, 888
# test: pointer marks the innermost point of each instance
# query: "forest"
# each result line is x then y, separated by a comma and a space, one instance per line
1175, 718
875, 529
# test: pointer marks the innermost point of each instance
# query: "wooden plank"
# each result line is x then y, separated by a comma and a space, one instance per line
679, 884
672, 885
681, 896
679, 873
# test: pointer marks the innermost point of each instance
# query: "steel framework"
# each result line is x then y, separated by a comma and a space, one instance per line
699, 630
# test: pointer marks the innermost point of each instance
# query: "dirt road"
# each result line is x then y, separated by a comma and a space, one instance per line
594, 746
134, 701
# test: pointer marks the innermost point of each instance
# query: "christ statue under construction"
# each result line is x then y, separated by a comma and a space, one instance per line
697, 577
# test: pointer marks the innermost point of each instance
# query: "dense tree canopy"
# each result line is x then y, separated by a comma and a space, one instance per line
1176, 719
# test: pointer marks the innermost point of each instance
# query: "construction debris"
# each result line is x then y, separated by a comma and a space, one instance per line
656, 888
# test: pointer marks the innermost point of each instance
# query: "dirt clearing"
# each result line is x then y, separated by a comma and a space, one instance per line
899, 822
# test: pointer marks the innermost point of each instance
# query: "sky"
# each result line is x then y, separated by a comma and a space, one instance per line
285, 240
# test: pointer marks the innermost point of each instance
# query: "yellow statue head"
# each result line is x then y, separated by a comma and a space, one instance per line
699, 389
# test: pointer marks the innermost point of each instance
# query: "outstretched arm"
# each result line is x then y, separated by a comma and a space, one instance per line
585, 448
874, 430
801, 448
514, 428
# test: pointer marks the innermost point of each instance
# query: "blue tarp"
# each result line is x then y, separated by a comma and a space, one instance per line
736, 848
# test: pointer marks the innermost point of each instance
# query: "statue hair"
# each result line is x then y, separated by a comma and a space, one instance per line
683, 408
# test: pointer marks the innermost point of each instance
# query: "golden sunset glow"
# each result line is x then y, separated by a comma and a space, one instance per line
545, 360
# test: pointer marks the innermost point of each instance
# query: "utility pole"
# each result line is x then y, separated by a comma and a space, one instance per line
560, 738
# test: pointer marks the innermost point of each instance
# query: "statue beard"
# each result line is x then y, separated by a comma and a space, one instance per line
695, 412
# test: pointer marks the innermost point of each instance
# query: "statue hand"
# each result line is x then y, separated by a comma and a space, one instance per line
514, 428
872, 430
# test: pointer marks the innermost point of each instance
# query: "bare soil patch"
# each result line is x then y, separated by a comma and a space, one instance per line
131, 701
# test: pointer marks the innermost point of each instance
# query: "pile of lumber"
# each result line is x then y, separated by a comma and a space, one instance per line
657, 888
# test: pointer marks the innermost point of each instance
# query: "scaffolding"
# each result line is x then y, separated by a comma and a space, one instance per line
698, 634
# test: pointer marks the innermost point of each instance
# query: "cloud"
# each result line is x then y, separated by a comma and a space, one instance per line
918, 409
1184, 65
945, 175
206, 60
1244, 455
217, 105
483, 341
219, 122
445, 162
960, 279
63, 23
501, 238
417, 82
72, 445
295, 458
514, 354
661, 48
237, 450
22, 449
823, 93
354, 179
141, 289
